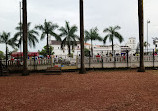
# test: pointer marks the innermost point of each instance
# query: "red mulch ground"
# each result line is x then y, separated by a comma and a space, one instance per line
95, 91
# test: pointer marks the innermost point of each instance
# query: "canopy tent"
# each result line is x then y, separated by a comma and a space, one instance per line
19, 54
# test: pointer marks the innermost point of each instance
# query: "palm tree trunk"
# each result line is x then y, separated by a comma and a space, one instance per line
25, 71
112, 46
82, 70
91, 48
141, 35
47, 45
6, 56
69, 49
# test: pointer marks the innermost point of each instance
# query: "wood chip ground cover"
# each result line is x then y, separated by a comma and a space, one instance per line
94, 91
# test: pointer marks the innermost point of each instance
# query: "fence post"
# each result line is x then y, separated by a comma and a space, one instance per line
153, 58
127, 59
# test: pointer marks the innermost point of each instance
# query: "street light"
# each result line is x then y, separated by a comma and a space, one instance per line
148, 21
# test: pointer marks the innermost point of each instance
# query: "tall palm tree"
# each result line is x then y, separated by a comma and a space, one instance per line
70, 37
25, 34
47, 29
31, 35
112, 32
154, 41
92, 35
82, 69
5, 38
141, 35
146, 44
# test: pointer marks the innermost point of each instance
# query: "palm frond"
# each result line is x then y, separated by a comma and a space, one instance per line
43, 36
105, 39
57, 37
63, 31
107, 30
67, 26
117, 28
119, 37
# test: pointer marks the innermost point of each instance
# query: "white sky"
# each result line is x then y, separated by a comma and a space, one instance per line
100, 13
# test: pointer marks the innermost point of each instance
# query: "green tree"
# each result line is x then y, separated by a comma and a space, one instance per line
154, 41
111, 34
146, 44
48, 29
44, 51
2, 56
86, 52
31, 35
10, 52
5, 38
92, 35
70, 37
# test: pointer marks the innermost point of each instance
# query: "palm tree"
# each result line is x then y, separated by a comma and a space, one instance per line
47, 29
146, 44
155, 39
82, 69
92, 35
112, 32
31, 35
25, 34
69, 36
141, 35
5, 38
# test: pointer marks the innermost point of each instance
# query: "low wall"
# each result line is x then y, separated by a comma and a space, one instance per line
102, 62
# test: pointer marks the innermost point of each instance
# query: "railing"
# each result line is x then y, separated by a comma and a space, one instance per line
118, 61
102, 59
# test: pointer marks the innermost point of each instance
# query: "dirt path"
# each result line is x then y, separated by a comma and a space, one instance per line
95, 91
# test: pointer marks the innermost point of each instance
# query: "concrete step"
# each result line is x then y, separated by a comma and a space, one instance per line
54, 70
4, 73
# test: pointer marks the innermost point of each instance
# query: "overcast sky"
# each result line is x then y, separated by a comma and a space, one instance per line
100, 13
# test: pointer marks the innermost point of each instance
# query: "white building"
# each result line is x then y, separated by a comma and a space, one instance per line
131, 43
59, 52
97, 49
106, 49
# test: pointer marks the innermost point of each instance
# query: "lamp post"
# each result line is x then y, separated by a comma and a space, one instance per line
148, 21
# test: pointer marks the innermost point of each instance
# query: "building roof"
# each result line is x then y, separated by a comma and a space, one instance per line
54, 42
87, 44
132, 38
